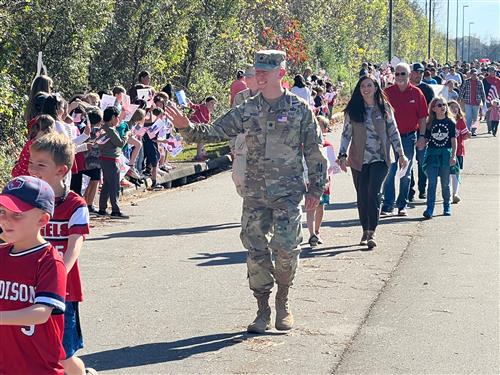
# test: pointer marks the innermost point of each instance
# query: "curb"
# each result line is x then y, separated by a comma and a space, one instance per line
180, 174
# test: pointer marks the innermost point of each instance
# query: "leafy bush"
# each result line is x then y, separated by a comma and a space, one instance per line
12, 126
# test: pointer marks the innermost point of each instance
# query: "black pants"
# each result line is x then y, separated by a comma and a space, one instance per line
368, 183
494, 127
76, 182
110, 185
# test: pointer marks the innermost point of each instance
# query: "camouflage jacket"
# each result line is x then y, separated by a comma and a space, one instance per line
241, 97
278, 136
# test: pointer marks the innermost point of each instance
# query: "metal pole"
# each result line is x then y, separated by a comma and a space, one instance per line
456, 37
463, 29
468, 47
391, 8
430, 31
447, 28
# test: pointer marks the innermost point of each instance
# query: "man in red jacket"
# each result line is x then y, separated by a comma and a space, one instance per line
237, 86
201, 115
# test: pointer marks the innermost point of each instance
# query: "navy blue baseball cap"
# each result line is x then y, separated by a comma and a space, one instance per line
24, 193
417, 67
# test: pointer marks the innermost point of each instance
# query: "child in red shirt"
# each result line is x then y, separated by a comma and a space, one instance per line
51, 159
462, 134
44, 124
494, 116
32, 282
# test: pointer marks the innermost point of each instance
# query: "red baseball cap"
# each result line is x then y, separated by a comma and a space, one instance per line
24, 193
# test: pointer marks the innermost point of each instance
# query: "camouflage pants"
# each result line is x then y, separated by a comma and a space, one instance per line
271, 227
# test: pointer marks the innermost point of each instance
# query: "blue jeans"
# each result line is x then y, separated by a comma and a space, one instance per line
72, 338
471, 112
432, 176
389, 191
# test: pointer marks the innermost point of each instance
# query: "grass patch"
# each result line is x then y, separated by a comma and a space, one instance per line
213, 150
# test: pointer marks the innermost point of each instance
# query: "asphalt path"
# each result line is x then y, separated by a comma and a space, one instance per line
166, 291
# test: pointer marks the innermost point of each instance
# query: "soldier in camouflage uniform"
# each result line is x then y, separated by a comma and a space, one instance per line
251, 89
280, 129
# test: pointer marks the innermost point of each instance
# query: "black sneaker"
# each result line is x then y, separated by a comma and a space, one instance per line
313, 241
102, 213
422, 195
92, 209
371, 243
156, 187
119, 215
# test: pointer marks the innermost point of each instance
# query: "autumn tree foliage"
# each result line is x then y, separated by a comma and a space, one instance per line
291, 41
193, 44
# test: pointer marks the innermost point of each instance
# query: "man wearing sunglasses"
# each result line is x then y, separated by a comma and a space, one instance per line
410, 111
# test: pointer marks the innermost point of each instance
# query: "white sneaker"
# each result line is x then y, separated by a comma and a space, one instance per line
385, 213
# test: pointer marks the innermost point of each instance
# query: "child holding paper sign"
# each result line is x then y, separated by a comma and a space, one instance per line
110, 150
135, 125
151, 150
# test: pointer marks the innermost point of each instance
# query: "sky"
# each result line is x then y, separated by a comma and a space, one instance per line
484, 13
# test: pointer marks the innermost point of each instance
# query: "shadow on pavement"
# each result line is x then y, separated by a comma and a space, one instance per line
340, 206
240, 257
355, 222
221, 259
316, 252
166, 232
161, 352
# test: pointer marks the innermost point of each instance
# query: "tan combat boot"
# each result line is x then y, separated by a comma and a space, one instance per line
284, 317
262, 321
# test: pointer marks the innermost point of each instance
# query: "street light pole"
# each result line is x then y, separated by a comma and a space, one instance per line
430, 31
468, 47
447, 28
456, 37
463, 29
391, 8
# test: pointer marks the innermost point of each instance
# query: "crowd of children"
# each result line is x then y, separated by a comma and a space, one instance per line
317, 90
73, 147
120, 137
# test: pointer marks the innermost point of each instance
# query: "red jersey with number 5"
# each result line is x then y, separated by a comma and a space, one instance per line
34, 276
71, 216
